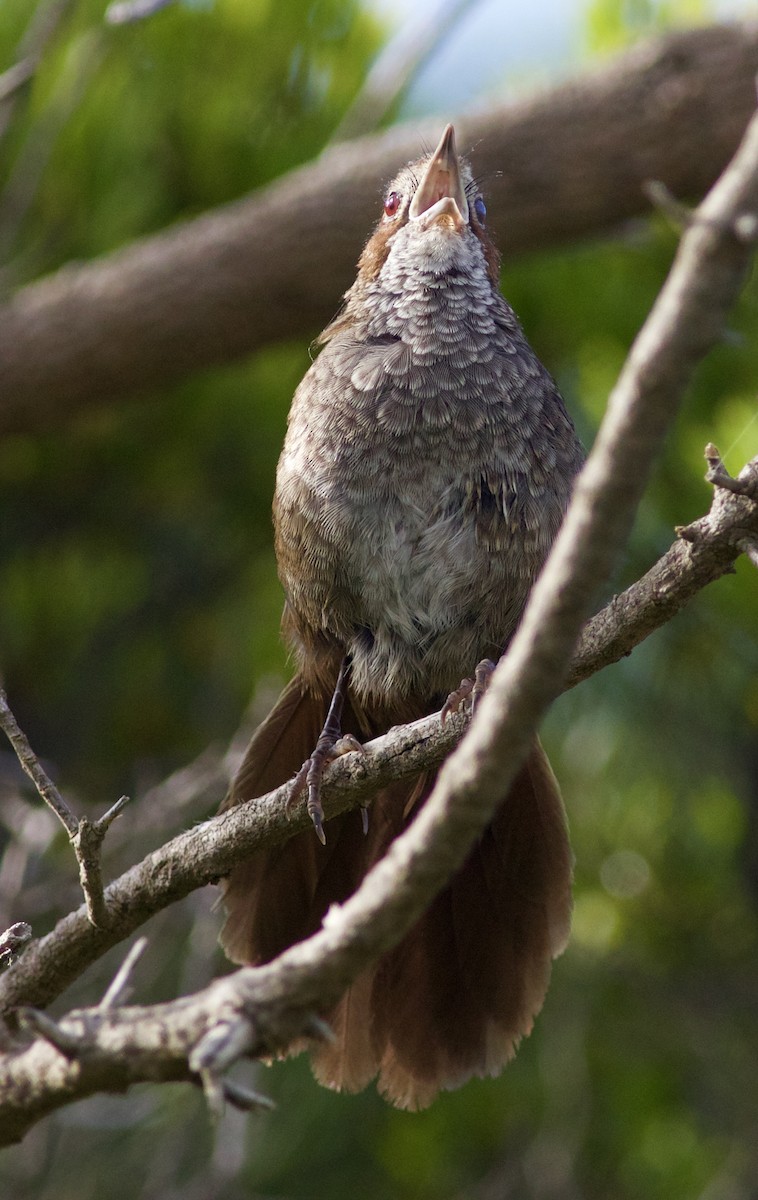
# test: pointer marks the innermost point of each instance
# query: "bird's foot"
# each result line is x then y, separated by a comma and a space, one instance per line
469, 691
328, 747
332, 743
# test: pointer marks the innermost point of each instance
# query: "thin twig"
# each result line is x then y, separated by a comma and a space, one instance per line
85, 836
21, 188
68, 1044
702, 553
679, 214
34, 769
39, 33
119, 986
123, 11
750, 550
14, 78
103, 824
245, 1098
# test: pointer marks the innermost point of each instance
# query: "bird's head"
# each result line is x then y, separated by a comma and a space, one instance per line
432, 210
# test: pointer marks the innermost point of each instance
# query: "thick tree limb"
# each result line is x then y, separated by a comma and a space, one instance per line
256, 1010
209, 851
559, 166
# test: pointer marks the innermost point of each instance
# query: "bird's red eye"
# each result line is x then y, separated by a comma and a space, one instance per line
392, 203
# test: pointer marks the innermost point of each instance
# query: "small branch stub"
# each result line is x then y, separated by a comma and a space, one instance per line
746, 483
13, 940
680, 215
230, 1039
246, 1099
38, 1022
119, 990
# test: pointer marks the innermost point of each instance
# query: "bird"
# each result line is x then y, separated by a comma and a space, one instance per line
428, 462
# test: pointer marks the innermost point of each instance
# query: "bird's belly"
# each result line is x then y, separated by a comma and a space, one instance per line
389, 566
430, 601
413, 570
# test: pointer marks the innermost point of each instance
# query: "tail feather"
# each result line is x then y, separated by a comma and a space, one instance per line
461, 989
280, 895
349, 1063
269, 896
456, 996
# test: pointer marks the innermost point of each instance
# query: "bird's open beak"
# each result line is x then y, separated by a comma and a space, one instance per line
440, 193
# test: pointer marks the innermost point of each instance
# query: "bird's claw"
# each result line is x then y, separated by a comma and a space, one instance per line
328, 747
469, 690
456, 699
347, 744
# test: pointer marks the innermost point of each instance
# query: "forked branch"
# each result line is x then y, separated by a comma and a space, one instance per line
259, 1010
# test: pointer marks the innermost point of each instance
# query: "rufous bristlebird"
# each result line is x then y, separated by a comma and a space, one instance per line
427, 465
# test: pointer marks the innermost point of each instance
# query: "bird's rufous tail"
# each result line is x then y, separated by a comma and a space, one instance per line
456, 995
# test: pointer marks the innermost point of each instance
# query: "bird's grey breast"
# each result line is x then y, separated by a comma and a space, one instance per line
419, 469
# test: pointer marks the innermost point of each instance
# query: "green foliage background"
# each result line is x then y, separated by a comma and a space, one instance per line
139, 611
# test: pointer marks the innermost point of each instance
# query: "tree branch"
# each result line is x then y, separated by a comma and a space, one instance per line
209, 851
268, 268
13, 940
85, 836
31, 765
703, 552
257, 1010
